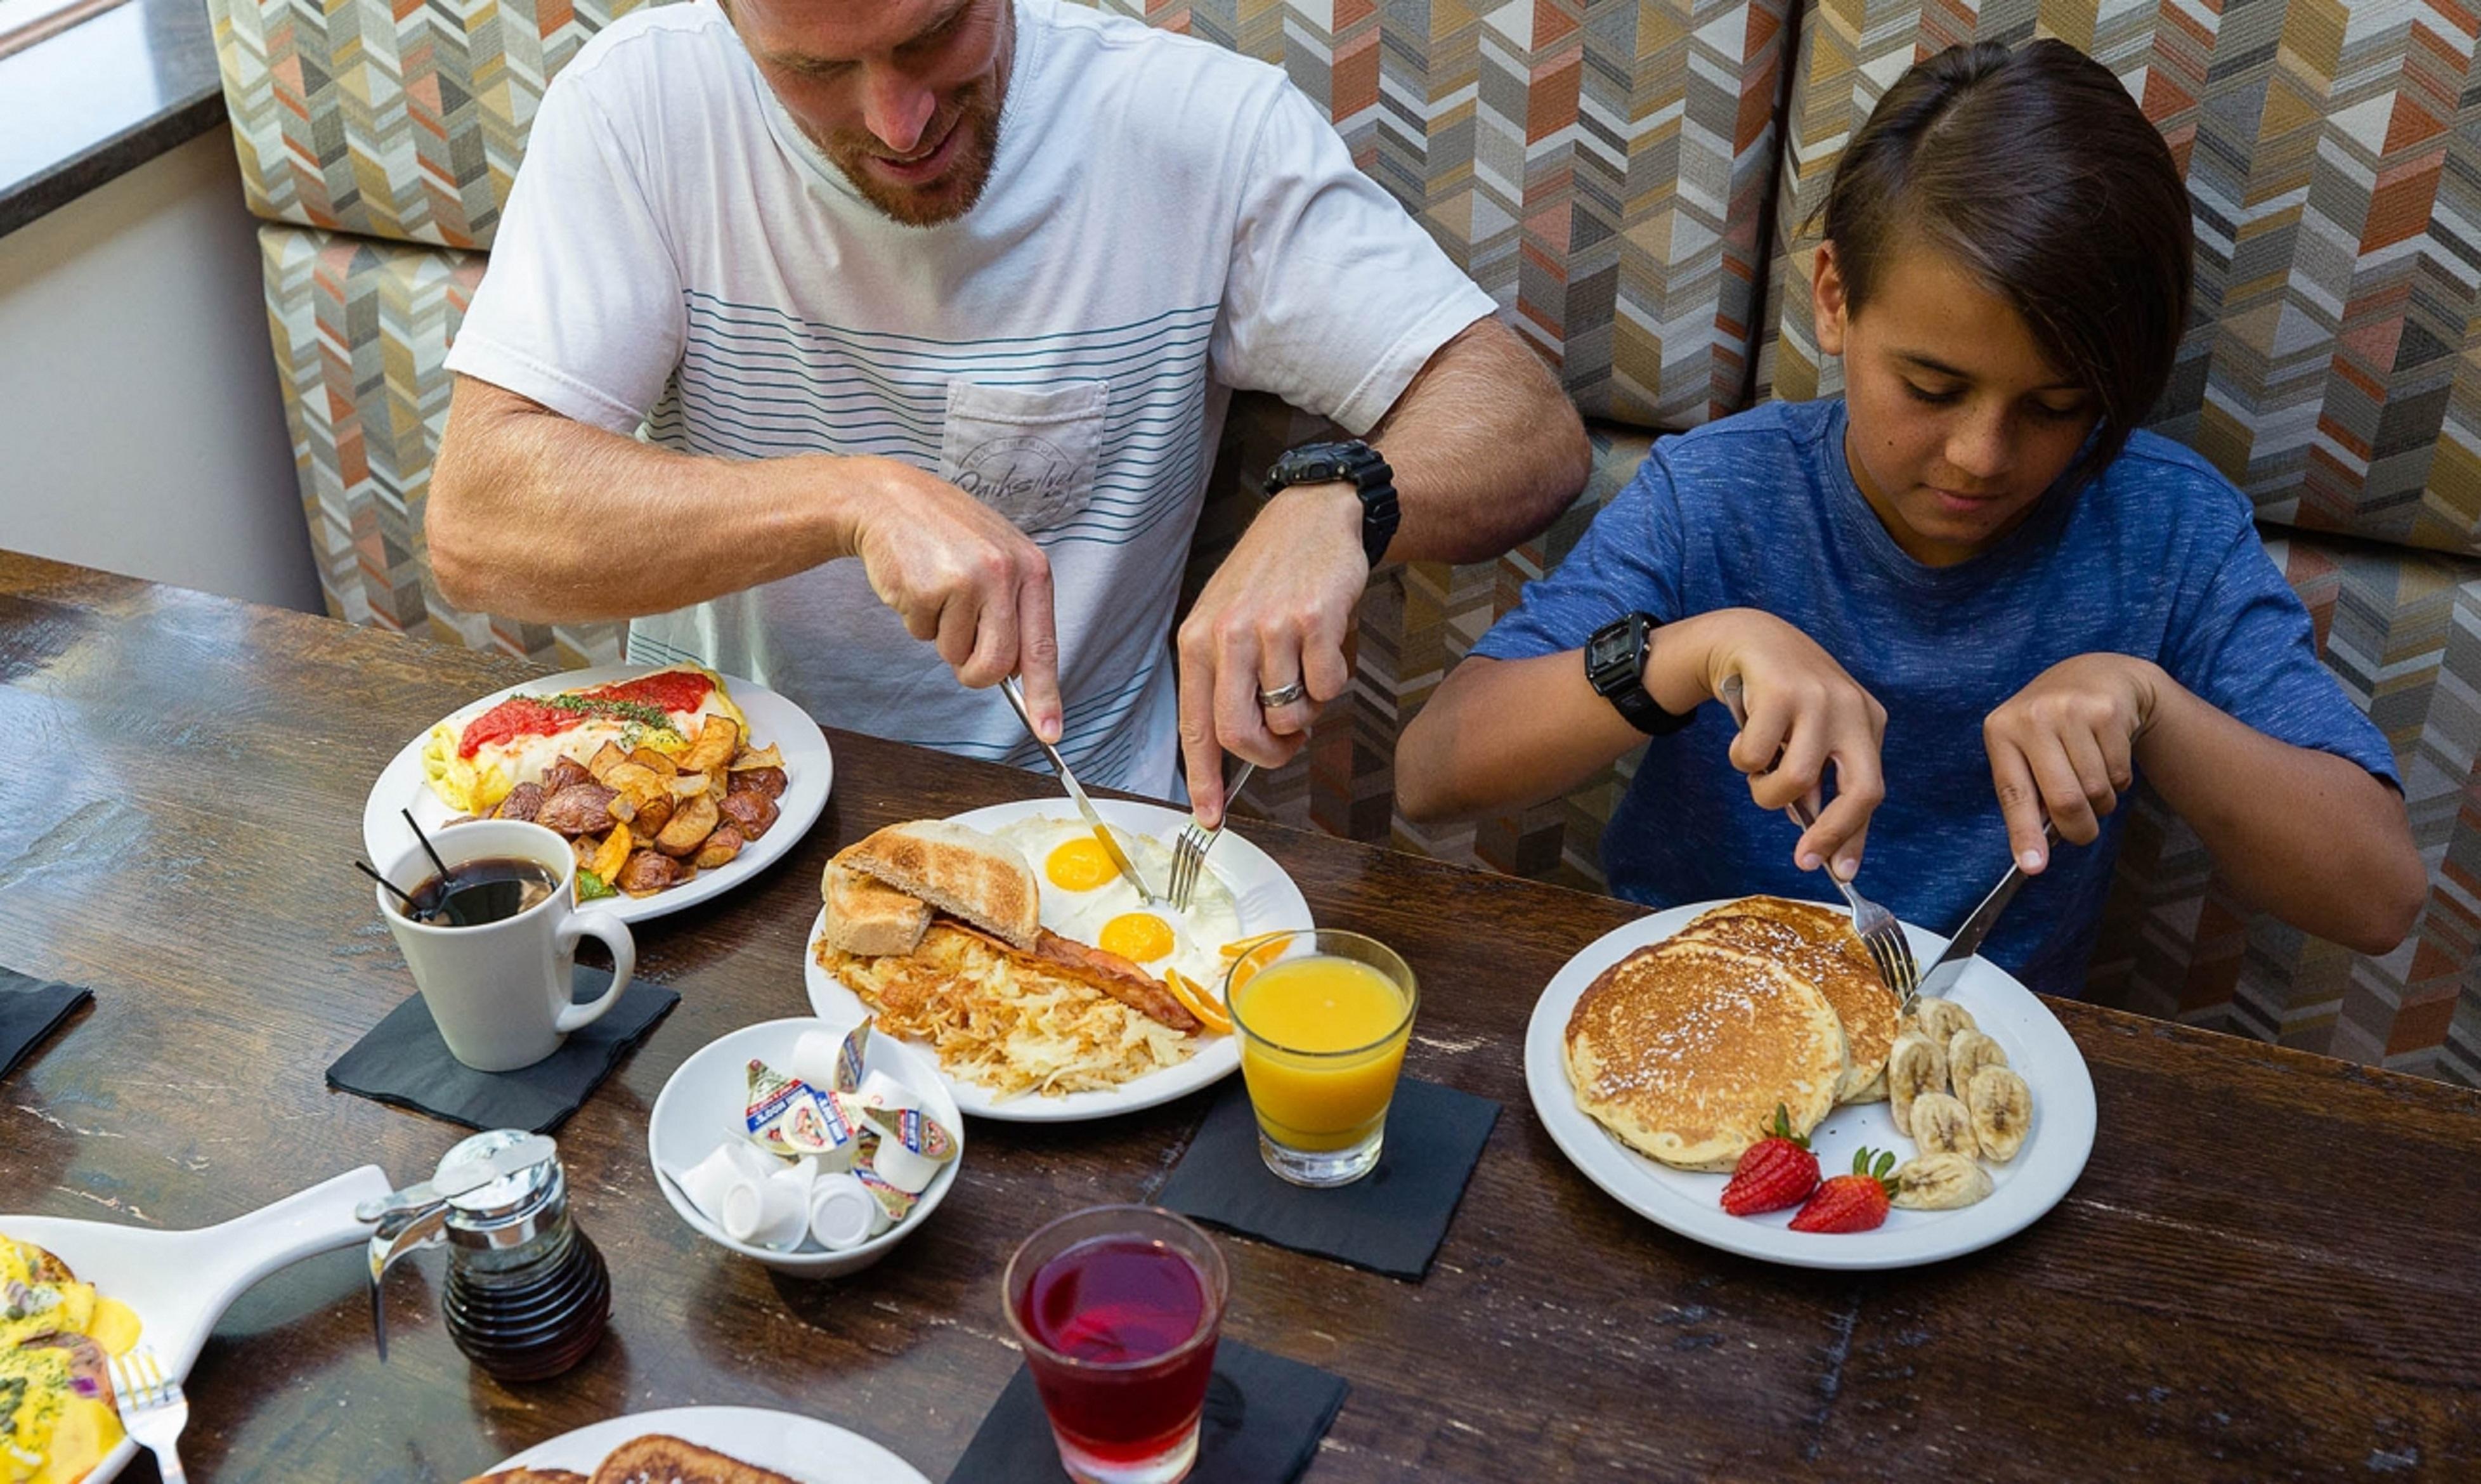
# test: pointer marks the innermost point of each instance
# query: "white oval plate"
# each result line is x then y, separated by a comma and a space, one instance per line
809, 771
180, 1282
1688, 1202
705, 1102
799, 1448
1268, 901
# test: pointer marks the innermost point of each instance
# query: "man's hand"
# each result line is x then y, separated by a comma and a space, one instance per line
2065, 745
959, 573
1275, 615
1803, 710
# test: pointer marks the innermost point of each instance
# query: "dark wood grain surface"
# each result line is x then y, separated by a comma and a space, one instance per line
2270, 1269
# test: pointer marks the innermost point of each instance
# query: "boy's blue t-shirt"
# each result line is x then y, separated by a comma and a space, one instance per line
2157, 558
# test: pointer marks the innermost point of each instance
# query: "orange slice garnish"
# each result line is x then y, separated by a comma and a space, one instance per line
1199, 1002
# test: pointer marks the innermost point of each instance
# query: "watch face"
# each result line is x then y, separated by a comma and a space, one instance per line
1610, 647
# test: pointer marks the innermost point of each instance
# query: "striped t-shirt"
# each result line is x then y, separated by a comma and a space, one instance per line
1164, 221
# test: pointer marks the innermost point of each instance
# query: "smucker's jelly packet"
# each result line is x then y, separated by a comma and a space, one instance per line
789, 1117
912, 1146
850, 1057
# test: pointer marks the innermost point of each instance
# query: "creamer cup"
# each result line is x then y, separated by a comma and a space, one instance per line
844, 1215
709, 1181
912, 1145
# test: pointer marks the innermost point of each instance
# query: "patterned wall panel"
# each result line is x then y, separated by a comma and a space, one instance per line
1600, 167
1416, 621
394, 121
2403, 632
2333, 155
359, 330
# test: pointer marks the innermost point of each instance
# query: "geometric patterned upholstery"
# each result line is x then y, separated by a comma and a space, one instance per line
359, 328
403, 122
2332, 368
1600, 173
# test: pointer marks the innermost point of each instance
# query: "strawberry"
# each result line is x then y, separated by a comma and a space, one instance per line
1850, 1203
1777, 1171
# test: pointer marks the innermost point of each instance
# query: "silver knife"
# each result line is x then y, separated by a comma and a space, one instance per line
1015, 694
1942, 975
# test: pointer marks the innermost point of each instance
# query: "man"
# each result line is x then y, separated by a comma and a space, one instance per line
822, 249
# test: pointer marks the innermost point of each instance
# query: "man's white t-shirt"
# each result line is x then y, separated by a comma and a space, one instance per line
1164, 221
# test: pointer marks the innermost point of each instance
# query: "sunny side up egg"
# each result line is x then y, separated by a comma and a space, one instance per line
1084, 898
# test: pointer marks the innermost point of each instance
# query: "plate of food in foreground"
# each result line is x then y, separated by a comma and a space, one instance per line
1737, 1073
726, 1445
1005, 941
673, 784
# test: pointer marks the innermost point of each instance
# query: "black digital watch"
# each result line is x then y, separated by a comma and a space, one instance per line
1317, 463
1615, 667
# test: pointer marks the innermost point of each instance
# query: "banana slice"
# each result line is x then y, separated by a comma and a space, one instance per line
1941, 1019
2001, 1105
1916, 1065
1968, 1052
1940, 1183
1943, 1124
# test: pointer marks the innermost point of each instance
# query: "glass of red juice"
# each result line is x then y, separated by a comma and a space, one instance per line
1117, 1308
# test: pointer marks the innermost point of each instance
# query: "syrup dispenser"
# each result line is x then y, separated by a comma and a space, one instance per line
527, 1295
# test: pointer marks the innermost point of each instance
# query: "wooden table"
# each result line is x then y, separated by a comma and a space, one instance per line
2271, 1267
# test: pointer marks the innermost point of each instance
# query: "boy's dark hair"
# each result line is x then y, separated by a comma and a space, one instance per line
2041, 177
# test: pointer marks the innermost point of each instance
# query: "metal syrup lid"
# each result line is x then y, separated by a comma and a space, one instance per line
513, 1198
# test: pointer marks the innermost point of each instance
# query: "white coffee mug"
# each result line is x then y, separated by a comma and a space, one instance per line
500, 992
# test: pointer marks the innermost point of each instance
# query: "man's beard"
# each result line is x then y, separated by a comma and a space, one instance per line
977, 133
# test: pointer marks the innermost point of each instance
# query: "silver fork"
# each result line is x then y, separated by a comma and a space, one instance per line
1189, 853
152, 1407
1890, 948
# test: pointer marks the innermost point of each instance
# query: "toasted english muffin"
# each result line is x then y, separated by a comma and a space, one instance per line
867, 917
1817, 944
958, 870
1685, 1050
658, 1459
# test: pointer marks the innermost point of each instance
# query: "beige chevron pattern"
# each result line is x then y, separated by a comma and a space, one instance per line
359, 330
2333, 155
403, 122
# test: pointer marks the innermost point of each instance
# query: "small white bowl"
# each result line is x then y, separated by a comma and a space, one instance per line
704, 1105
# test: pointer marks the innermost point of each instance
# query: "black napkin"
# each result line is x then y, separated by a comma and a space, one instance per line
1392, 1219
1265, 1416
404, 1061
31, 1010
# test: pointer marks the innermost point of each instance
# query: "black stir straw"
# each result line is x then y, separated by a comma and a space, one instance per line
364, 866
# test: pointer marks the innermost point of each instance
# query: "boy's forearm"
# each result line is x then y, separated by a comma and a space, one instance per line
2306, 835
538, 518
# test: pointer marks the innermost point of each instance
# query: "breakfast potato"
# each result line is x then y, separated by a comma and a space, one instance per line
720, 846
563, 773
584, 846
769, 781
767, 756
523, 804
614, 855
606, 757
649, 871
712, 751
657, 763
652, 816
691, 823
580, 809
750, 809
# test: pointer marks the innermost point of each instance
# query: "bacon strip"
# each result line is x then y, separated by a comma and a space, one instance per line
1098, 969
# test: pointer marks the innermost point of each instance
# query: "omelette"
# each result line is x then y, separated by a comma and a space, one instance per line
473, 764
57, 1419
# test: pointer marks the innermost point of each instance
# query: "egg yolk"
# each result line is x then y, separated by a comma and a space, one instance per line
1141, 937
1079, 865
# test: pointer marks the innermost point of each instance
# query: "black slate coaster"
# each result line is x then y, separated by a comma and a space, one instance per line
1264, 1418
1391, 1220
404, 1061
31, 1010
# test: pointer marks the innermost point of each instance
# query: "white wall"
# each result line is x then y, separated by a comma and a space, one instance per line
140, 428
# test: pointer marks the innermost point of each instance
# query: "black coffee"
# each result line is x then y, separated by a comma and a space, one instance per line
476, 893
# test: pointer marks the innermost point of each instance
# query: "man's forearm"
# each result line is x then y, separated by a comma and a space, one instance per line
542, 518
1487, 450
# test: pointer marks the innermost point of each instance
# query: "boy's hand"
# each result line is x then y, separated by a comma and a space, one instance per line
1803, 710
2065, 745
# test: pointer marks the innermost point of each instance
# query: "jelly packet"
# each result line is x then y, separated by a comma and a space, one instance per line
789, 1117
912, 1145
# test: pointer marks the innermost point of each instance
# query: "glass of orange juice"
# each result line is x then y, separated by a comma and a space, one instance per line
1323, 1016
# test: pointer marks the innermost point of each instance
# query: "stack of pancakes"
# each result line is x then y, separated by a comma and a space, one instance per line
1684, 1048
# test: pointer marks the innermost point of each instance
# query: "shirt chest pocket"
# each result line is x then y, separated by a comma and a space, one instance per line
1029, 452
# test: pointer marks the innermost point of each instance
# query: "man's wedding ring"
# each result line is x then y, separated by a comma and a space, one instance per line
1282, 695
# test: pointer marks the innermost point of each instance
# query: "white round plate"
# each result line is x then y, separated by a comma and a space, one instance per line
809, 771
1689, 1203
705, 1102
798, 1447
1268, 901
